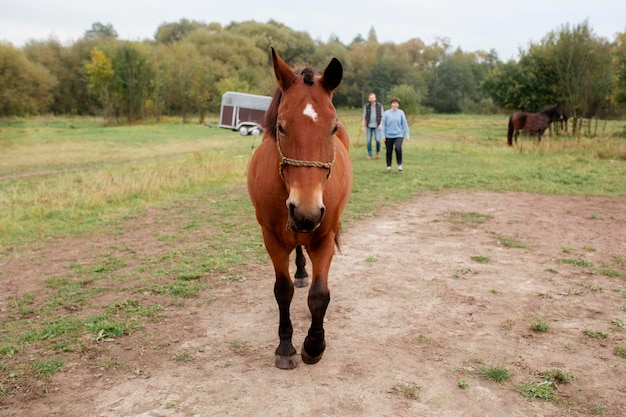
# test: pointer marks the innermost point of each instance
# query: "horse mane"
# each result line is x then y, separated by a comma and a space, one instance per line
307, 74
550, 109
552, 112
269, 120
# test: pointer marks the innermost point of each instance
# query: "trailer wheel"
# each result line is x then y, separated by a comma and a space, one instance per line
243, 131
256, 131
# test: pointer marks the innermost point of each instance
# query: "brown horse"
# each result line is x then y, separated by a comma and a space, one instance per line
299, 181
534, 123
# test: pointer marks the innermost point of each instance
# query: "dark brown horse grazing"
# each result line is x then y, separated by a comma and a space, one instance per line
299, 181
534, 123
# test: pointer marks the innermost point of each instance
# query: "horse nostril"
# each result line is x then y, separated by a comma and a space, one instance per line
322, 211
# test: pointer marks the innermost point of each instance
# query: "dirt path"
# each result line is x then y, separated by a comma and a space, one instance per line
411, 315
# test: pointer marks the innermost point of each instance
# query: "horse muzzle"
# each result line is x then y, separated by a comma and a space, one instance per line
303, 220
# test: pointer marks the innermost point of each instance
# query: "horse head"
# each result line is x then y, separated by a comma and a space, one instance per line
562, 115
304, 125
558, 114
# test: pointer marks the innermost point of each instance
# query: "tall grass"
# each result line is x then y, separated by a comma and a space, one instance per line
62, 176
39, 147
102, 173
45, 204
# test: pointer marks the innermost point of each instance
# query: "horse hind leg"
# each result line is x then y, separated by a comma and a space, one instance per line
539, 135
301, 274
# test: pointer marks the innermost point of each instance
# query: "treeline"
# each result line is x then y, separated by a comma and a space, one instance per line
188, 65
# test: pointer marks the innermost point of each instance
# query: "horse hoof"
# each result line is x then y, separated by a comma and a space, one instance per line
301, 282
286, 362
309, 360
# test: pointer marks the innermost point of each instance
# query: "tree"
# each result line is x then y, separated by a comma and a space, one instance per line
294, 47
529, 85
69, 94
381, 79
456, 83
505, 85
409, 98
191, 64
48, 54
169, 33
371, 47
100, 74
581, 63
356, 74
619, 69
133, 75
425, 60
101, 31
74, 58
25, 87
322, 54
186, 80
162, 94
236, 57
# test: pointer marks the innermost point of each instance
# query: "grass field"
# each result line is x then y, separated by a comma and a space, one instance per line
63, 176
66, 177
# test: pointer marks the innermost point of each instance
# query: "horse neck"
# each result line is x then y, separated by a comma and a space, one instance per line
552, 113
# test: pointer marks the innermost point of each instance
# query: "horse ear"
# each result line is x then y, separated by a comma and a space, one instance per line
284, 74
332, 75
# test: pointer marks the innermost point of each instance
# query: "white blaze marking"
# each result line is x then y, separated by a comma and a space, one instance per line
310, 111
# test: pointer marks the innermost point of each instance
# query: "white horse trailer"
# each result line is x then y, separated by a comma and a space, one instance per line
243, 112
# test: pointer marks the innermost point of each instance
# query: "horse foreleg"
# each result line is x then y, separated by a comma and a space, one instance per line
318, 300
283, 292
301, 274
285, 352
515, 136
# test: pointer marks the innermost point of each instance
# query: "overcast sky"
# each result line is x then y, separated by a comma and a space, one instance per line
503, 25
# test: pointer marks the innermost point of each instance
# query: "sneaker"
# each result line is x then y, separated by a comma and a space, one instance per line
388, 169
400, 168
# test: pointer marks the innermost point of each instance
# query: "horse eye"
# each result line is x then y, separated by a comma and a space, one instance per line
335, 129
280, 129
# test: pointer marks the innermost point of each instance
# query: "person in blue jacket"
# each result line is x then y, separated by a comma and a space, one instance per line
395, 129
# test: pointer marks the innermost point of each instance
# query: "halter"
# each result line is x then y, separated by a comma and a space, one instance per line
298, 163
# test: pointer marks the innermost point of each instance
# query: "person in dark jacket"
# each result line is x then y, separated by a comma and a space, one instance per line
372, 116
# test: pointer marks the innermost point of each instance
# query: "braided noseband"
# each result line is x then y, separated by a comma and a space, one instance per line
297, 163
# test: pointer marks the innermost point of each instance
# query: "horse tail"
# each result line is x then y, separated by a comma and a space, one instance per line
509, 136
338, 241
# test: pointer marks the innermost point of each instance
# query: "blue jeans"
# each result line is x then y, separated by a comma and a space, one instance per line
376, 134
